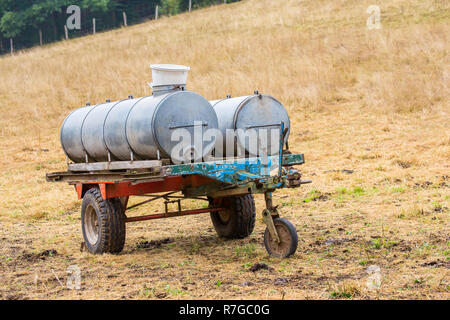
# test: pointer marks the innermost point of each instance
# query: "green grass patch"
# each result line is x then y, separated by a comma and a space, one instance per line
246, 251
364, 262
398, 189
312, 195
174, 291
339, 295
382, 243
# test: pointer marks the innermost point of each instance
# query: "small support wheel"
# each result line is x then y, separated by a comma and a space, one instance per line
102, 223
288, 239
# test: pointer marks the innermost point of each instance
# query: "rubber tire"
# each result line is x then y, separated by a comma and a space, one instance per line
111, 222
291, 242
242, 217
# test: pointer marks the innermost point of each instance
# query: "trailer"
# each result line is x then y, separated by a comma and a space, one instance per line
228, 187
124, 148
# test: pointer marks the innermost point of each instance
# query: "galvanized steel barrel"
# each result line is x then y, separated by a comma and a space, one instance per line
258, 111
135, 129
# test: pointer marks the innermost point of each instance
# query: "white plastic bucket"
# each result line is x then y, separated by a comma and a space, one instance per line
169, 74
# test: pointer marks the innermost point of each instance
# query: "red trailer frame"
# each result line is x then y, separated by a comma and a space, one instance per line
222, 184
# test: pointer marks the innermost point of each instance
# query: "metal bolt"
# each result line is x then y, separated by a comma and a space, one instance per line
228, 96
130, 97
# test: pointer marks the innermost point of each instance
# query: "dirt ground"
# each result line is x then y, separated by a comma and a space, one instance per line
376, 207
372, 120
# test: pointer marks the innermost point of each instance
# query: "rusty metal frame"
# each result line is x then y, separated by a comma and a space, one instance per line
200, 181
153, 196
268, 215
172, 214
167, 214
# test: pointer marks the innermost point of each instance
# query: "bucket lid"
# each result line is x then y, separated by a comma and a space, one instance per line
169, 67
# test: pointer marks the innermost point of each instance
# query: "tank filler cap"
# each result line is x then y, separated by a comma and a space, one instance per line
169, 75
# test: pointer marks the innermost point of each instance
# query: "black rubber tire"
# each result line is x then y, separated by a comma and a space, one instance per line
110, 223
240, 214
289, 239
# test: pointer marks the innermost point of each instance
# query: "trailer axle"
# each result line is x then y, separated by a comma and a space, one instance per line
172, 214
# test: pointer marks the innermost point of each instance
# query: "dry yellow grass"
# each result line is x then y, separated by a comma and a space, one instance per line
373, 101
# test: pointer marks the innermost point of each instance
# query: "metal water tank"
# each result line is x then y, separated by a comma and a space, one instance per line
136, 129
257, 112
141, 129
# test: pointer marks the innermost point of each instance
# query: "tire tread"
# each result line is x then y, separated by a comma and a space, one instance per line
242, 221
112, 223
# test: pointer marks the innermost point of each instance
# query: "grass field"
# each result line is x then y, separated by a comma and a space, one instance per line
369, 109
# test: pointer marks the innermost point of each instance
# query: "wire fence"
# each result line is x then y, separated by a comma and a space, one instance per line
56, 28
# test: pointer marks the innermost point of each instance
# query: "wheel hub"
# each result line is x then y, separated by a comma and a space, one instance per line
224, 215
280, 248
91, 227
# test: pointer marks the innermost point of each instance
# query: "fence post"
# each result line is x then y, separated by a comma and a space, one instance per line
11, 44
93, 25
190, 5
40, 37
156, 12
124, 18
66, 32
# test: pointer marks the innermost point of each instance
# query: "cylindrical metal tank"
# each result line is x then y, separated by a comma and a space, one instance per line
136, 129
258, 112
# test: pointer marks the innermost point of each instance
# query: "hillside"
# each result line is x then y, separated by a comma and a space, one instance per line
375, 102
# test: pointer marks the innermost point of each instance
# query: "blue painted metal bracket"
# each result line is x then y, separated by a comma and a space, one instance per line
237, 170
